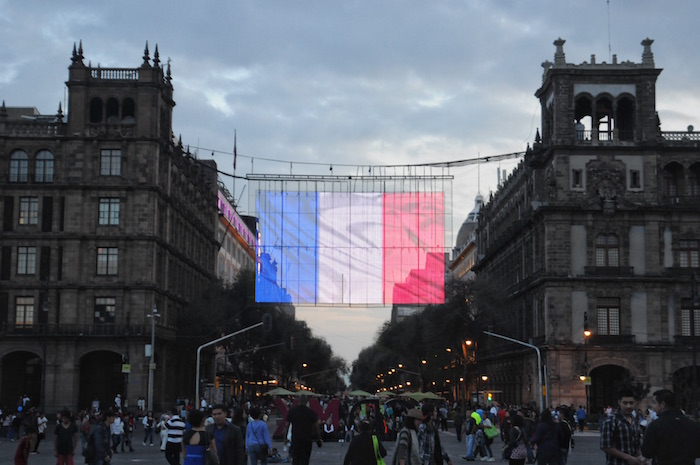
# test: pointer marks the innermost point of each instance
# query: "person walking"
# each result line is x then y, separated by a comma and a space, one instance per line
257, 439
429, 446
581, 418
547, 434
407, 451
620, 436
24, 446
41, 424
304, 423
148, 423
672, 439
226, 438
364, 448
102, 438
173, 446
66, 439
459, 421
195, 440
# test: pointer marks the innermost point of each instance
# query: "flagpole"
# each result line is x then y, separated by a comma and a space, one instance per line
235, 155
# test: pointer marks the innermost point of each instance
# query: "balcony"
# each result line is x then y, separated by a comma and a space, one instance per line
88, 330
687, 341
608, 270
682, 200
608, 340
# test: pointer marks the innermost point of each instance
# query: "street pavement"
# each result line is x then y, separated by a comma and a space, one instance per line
586, 452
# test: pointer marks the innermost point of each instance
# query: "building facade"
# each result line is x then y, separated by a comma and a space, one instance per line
236, 238
598, 228
106, 217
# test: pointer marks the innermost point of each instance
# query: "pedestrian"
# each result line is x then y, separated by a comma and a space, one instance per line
429, 446
620, 436
65, 439
514, 449
127, 431
581, 418
407, 450
195, 440
173, 446
102, 439
24, 446
547, 434
490, 432
673, 438
116, 431
41, 424
163, 431
470, 426
459, 421
365, 447
304, 422
148, 425
226, 437
257, 439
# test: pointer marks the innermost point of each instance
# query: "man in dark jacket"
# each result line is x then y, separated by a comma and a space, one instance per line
672, 438
227, 437
304, 422
361, 450
102, 436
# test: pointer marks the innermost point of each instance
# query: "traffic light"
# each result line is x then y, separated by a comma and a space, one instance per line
490, 397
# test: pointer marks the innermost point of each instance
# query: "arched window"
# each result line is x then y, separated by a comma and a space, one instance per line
583, 118
673, 175
694, 180
604, 120
128, 111
19, 165
112, 110
96, 110
43, 171
625, 119
607, 251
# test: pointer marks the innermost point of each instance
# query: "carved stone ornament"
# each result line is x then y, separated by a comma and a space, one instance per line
607, 183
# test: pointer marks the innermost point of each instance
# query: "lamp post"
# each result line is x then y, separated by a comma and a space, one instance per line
152, 364
484, 378
584, 377
694, 305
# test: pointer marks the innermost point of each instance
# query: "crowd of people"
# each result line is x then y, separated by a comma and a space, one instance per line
240, 435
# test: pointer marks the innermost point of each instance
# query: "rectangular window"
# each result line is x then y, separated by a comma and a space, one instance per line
26, 260
109, 211
609, 317
28, 210
577, 178
606, 251
105, 309
635, 179
688, 253
107, 258
110, 162
24, 311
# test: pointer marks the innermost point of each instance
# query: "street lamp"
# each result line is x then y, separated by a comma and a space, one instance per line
152, 363
584, 377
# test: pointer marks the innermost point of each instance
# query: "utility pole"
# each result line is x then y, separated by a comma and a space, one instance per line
152, 364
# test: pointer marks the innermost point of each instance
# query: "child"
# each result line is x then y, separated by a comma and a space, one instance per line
24, 446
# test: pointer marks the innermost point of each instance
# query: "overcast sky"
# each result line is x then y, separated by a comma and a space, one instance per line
354, 82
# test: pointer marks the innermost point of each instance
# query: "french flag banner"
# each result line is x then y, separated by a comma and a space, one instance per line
332, 248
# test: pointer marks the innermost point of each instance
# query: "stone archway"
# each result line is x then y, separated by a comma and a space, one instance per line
21, 374
606, 380
100, 378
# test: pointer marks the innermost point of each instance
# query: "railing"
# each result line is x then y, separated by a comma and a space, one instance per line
129, 74
682, 200
681, 340
110, 129
34, 129
608, 270
680, 136
618, 339
92, 330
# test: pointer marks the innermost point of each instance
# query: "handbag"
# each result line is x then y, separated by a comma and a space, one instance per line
491, 432
210, 456
380, 459
264, 451
520, 452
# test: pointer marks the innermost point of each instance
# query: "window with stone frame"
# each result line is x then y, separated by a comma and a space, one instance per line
109, 211
105, 308
24, 311
19, 166
576, 178
107, 260
43, 167
28, 210
608, 310
686, 309
26, 260
688, 254
607, 250
110, 162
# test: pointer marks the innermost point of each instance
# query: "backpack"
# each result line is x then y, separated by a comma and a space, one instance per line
89, 451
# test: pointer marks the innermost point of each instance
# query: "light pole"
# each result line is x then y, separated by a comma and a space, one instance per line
484, 378
584, 377
152, 364
694, 305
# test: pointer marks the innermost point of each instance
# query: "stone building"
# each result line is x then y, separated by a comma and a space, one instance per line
598, 228
236, 235
105, 216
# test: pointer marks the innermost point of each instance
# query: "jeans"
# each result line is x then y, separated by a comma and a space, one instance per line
470, 446
148, 434
172, 452
255, 454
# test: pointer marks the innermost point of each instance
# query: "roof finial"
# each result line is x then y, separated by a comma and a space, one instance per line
156, 58
59, 115
80, 51
3, 110
168, 76
647, 56
559, 57
179, 141
146, 57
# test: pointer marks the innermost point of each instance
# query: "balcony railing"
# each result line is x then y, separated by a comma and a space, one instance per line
91, 330
608, 270
618, 339
682, 200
